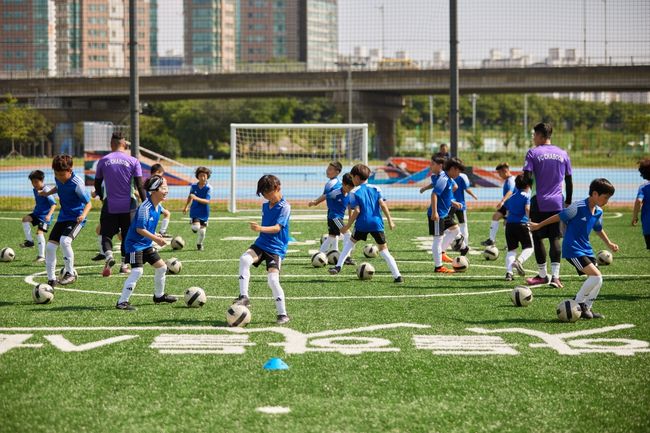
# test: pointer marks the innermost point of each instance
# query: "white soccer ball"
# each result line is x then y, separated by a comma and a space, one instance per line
491, 252
62, 273
42, 293
370, 251
460, 264
7, 254
174, 266
238, 315
318, 260
365, 271
177, 243
568, 311
195, 297
521, 296
604, 258
333, 257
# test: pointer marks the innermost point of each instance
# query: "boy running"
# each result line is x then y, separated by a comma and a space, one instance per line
40, 216
642, 202
200, 194
455, 169
159, 170
334, 222
517, 231
503, 170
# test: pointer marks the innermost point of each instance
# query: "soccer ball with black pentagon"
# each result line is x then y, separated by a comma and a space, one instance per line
460, 264
195, 297
174, 266
604, 258
491, 252
42, 293
7, 255
318, 260
332, 257
370, 251
365, 271
568, 311
521, 296
238, 315
177, 243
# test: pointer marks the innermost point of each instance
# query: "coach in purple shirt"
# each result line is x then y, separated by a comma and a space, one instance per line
120, 173
550, 166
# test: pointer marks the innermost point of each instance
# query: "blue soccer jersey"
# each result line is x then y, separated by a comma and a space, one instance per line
200, 210
367, 197
644, 191
579, 223
275, 243
43, 204
516, 206
459, 195
508, 185
146, 217
443, 187
337, 203
72, 197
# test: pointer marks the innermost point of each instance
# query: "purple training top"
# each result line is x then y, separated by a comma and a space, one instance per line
118, 169
549, 165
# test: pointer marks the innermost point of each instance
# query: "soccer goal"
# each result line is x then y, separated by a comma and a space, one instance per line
297, 154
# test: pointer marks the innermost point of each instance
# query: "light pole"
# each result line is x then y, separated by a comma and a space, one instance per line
381, 8
605, 8
431, 120
474, 97
526, 117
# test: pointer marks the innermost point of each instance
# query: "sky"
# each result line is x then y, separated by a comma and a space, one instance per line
421, 27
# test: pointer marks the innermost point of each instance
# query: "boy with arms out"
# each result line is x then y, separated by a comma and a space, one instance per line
337, 203
581, 218
200, 194
270, 246
139, 245
642, 202
333, 228
159, 170
75, 205
455, 169
40, 216
517, 231
503, 170
367, 204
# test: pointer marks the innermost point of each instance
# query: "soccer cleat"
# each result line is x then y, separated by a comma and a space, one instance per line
124, 269
443, 270
464, 251
537, 280
509, 276
282, 319
334, 270
199, 247
68, 278
110, 262
487, 242
446, 258
596, 315
165, 235
165, 298
125, 306
27, 244
98, 257
51, 283
555, 282
349, 261
39, 259
586, 312
519, 268
242, 300
398, 280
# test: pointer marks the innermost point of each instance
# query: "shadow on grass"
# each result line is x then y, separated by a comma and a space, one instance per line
513, 321
74, 308
10, 304
182, 322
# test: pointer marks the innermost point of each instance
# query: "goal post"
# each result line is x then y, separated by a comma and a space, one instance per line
297, 153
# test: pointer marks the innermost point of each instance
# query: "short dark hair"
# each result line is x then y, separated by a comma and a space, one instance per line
601, 186
156, 167
442, 144
202, 169
454, 162
337, 166
522, 182
347, 179
62, 162
117, 136
644, 168
361, 170
438, 159
153, 183
267, 183
543, 129
502, 165
36, 174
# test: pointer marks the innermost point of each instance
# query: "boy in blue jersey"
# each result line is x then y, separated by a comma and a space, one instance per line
367, 204
455, 168
333, 228
517, 231
337, 204
139, 245
503, 170
75, 205
270, 246
580, 218
442, 224
159, 170
642, 202
40, 216
200, 194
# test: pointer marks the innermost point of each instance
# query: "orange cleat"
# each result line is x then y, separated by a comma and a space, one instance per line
446, 258
443, 270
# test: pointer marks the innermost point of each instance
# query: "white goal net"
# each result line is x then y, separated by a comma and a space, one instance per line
297, 154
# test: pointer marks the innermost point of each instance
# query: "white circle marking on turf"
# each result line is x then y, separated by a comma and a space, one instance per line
273, 410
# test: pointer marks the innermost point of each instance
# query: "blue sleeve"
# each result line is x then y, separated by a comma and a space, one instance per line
567, 214
380, 195
440, 186
141, 219
598, 227
50, 200
352, 202
81, 193
639, 195
511, 183
285, 213
208, 194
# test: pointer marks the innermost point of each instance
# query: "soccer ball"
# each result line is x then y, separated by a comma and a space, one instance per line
42, 293
324, 238
365, 271
318, 260
7, 254
370, 251
521, 296
457, 243
460, 264
174, 265
62, 273
195, 297
604, 258
568, 311
333, 257
177, 243
238, 315
491, 252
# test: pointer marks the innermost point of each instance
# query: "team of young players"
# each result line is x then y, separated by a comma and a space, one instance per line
365, 204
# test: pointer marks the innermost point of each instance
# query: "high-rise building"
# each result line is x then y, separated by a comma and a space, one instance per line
322, 34
209, 38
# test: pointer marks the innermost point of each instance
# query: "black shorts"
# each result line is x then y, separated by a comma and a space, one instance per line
272, 260
460, 215
438, 228
551, 231
65, 228
582, 262
647, 241
202, 223
503, 210
113, 223
138, 258
516, 234
36, 221
379, 237
334, 226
